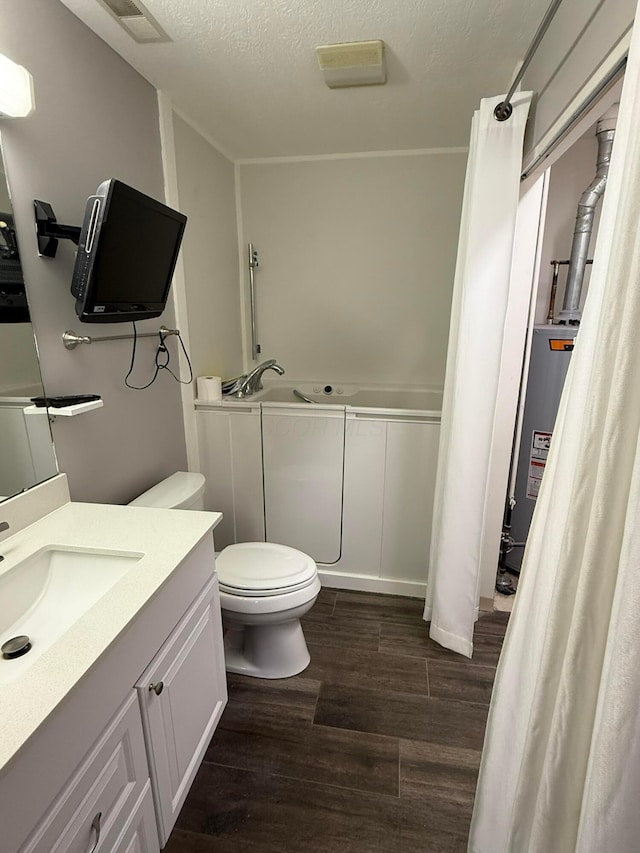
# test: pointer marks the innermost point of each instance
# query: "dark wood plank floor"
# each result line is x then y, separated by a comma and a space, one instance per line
374, 748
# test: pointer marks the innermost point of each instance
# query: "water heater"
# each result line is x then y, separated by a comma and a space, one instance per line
550, 356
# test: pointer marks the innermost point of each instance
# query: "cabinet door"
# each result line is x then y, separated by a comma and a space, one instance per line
410, 475
214, 444
230, 444
364, 471
303, 456
102, 795
182, 696
246, 467
139, 835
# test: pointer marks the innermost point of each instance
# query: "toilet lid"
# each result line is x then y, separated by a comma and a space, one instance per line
262, 568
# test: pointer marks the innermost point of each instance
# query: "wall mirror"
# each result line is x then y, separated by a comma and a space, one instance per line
27, 454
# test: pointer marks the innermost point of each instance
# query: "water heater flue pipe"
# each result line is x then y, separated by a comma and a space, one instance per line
605, 132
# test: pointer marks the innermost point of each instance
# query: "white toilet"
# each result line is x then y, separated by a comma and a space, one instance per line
264, 590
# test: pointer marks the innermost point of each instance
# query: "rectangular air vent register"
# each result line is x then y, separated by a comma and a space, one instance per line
134, 18
356, 63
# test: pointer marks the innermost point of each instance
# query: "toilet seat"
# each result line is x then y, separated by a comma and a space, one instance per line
263, 569
262, 593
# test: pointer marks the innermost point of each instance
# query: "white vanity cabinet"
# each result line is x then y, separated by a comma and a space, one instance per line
107, 802
139, 833
182, 696
230, 446
110, 768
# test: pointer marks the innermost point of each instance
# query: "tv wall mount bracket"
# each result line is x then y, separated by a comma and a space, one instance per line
49, 230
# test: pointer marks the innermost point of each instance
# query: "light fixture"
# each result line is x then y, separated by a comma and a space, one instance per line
16, 89
356, 63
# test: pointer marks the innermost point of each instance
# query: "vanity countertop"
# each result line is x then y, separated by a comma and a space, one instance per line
164, 537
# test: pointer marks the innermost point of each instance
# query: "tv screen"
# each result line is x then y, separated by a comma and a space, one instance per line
126, 256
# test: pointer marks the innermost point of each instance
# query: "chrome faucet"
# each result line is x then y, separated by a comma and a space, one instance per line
252, 382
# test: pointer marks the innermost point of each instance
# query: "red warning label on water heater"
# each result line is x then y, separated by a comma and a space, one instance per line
540, 443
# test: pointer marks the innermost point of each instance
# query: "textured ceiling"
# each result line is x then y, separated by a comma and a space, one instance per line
246, 72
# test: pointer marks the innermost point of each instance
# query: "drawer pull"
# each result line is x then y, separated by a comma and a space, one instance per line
157, 688
95, 827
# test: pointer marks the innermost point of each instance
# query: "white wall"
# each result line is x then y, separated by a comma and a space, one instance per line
95, 118
207, 195
357, 258
581, 37
568, 179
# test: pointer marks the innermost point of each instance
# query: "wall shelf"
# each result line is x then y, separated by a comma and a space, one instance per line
64, 411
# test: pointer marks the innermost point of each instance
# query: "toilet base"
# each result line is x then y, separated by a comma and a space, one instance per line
266, 651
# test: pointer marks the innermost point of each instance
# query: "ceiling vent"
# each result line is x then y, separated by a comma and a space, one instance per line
356, 63
135, 19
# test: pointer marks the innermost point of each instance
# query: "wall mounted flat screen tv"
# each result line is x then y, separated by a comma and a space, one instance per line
127, 253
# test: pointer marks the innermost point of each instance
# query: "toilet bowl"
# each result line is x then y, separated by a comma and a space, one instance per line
264, 590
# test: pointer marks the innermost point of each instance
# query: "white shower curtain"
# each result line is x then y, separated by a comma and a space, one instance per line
480, 301
561, 764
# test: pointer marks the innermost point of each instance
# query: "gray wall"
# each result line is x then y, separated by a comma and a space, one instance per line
582, 34
207, 193
357, 260
95, 118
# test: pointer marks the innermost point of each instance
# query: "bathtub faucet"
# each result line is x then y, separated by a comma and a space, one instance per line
252, 382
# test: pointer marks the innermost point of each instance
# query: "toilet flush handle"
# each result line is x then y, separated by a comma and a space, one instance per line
157, 688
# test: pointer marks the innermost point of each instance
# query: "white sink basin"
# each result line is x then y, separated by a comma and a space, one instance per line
45, 594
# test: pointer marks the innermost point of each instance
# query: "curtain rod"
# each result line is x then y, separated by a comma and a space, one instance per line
504, 109
601, 89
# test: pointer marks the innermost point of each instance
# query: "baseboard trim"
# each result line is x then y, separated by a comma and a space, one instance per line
364, 583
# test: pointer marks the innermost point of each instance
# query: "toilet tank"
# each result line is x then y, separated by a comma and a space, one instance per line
182, 490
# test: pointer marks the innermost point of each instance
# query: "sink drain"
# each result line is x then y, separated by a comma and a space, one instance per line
15, 647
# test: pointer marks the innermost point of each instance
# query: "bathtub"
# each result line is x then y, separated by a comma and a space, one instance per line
370, 397
349, 478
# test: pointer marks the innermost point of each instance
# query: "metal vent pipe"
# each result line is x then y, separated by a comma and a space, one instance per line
605, 132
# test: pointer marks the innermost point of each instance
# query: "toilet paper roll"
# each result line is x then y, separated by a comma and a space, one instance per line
209, 389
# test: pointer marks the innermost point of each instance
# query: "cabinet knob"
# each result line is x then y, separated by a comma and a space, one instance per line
157, 688
95, 827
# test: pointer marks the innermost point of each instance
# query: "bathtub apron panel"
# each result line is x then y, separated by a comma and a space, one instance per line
350, 485
303, 458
